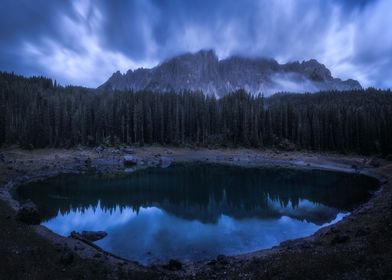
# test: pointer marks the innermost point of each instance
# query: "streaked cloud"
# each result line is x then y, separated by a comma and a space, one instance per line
83, 42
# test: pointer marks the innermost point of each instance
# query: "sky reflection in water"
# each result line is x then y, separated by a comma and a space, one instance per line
153, 235
194, 212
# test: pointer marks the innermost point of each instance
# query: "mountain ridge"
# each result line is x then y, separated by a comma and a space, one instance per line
203, 71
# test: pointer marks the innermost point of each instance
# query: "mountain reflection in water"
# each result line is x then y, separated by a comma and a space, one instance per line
194, 211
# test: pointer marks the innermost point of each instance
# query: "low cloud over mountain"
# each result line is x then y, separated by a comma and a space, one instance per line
83, 42
203, 71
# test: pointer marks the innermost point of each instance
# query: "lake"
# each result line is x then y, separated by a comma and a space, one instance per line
197, 211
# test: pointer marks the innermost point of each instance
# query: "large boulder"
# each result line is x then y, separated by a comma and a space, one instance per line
173, 265
374, 163
87, 162
67, 257
129, 160
29, 214
127, 150
222, 260
286, 145
165, 162
100, 149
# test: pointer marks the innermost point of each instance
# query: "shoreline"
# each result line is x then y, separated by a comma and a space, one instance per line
35, 165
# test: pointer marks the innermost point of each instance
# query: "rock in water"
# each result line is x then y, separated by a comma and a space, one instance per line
94, 235
90, 235
29, 214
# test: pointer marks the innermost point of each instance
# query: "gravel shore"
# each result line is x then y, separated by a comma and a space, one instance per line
358, 247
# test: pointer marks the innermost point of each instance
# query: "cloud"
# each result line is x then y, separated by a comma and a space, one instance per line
83, 42
290, 83
86, 62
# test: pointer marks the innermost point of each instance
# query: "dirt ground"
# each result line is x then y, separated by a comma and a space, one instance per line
358, 247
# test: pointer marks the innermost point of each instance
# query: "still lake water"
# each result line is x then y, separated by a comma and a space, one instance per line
197, 211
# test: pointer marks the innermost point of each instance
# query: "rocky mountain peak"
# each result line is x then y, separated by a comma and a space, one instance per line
203, 71
315, 70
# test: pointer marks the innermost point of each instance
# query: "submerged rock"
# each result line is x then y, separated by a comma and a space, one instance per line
29, 214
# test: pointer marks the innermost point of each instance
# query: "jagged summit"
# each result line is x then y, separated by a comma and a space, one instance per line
203, 71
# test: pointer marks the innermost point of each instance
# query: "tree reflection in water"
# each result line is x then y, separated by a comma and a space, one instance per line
193, 211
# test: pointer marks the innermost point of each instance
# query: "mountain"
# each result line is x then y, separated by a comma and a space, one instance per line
203, 71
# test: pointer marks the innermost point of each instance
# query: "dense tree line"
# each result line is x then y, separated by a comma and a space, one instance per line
36, 112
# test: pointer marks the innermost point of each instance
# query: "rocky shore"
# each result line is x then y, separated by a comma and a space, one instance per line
358, 247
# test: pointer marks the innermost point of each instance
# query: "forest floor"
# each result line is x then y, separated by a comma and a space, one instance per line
358, 247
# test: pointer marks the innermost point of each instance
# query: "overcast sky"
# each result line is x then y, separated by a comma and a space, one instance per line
83, 42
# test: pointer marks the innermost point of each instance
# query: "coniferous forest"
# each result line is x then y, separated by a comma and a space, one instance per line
36, 113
